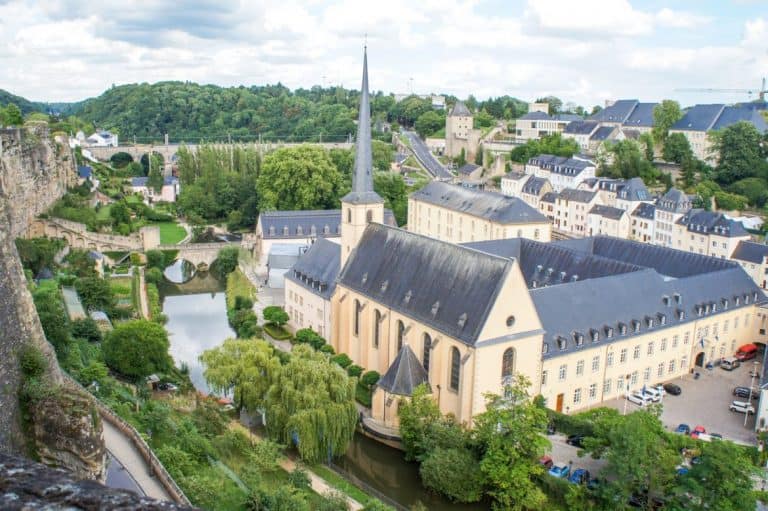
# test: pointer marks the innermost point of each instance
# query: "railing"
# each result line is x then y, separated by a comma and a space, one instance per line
155, 466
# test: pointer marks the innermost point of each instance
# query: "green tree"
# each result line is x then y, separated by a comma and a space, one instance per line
454, 472
741, 153
312, 403
677, 148
95, 293
301, 177
87, 329
730, 201
416, 415
665, 114
688, 169
137, 348
155, 259
755, 189
38, 253
629, 162
275, 315
227, 260
429, 122
646, 141
391, 187
555, 103
512, 429
551, 144
382, 153
156, 179
483, 120
120, 214
11, 116
720, 481
53, 317
247, 367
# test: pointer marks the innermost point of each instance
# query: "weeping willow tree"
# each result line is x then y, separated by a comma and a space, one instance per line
312, 403
246, 366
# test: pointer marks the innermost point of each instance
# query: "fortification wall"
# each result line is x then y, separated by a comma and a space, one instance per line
34, 172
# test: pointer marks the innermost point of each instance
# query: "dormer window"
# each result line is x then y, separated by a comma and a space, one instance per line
746, 299
271, 230
609, 332
635, 325
680, 314
462, 320
707, 309
595, 334
578, 338
714, 307
286, 231
561, 343
313, 230
365, 277
649, 322
545, 348
407, 297
435, 308
623, 328
299, 231
678, 298
662, 319
724, 301
736, 300
665, 300
754, 296
384, 285
699, 310
326, 229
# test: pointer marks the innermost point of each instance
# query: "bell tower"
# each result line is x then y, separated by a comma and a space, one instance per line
362, 205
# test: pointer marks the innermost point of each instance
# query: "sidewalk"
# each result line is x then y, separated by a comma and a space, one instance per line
122, 449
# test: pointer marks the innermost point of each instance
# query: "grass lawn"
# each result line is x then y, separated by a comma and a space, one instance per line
103, 213
170, 233
341, 484
277, 332
239, 285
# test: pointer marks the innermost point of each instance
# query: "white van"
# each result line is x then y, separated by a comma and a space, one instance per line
729, 364
652, 394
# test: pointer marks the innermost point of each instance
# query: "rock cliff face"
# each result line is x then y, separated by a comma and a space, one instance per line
25, 485
34, 172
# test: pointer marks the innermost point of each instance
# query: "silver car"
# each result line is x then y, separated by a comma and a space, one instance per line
638, 398
742, 407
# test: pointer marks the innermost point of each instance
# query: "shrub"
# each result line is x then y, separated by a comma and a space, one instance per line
299, 479
32, 361
332, 501
227, 260
354, 370
370, 378
243, 302
327, 348
135, 256
155, 259
276, 315
137, 348
87, 329
454, 472
342, 359
153, 275
277, 333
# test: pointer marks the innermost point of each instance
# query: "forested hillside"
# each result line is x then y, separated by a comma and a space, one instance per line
26, 106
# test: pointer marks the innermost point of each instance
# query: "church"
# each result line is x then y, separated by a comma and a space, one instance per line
584, 320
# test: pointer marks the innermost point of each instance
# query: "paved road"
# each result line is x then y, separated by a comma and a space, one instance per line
426, 158
121, 448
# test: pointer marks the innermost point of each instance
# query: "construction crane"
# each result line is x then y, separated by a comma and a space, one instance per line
760, 92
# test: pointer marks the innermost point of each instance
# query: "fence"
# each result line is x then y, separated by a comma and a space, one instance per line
155, 466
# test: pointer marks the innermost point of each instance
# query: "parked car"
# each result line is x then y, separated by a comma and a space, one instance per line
653, 393
546, 461
638, 398
579, 476
672, 389
575, 440
716, 436
741, 407
744, 392
747, 352
729, 364
697, 431
684, 429
170, 387
560, 470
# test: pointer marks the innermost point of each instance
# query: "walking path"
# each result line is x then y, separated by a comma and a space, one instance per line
121, 448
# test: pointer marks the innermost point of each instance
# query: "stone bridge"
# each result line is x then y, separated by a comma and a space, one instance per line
202, 255
77, 236
168, 151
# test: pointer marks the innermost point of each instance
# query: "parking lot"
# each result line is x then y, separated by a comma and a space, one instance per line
705, 402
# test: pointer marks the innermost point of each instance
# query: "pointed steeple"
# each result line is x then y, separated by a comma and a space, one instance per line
362, 177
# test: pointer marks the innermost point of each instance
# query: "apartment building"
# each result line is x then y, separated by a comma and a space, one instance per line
669, 209
708, 233
571, 208
537, 124
753, 257
608, 221
561, 172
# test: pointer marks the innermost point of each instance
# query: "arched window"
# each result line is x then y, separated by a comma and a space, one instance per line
400, 335
376, 327
455, 369
357, 317
369, 216
427, 349
349, 216
507, 365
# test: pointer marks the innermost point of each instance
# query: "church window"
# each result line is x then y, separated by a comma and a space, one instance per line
357, 317
455, 369
427, 349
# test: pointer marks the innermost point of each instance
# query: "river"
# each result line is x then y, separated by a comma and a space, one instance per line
197, 321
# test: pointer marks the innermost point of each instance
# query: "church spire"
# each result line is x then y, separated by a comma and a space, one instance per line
362, 177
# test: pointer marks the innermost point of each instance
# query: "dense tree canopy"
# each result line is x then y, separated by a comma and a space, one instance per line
137, 348
741, 153
429, 122
629, 161
551, 144
665, 114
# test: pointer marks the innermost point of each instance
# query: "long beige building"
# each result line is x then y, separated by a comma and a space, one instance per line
457, 214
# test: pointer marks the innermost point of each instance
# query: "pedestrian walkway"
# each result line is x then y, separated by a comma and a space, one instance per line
121, 448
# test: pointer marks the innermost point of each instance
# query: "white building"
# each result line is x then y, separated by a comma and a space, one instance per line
168, 193
102, 139
561, 172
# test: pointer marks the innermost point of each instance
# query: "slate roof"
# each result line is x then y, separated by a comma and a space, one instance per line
560, 164
674, 201
362, 176
618, 112
459, 109
645, 210
642, 115
142, 181
549, 197
534, 185
607, 212
581, 127
710, 222
318, 268
733, 114
602, 133
488, 205
84, 171
516, 176
404, 375
468, 168
750, 251
699, 118
446, 286
300, 224
572, 194
536, 116
633, 190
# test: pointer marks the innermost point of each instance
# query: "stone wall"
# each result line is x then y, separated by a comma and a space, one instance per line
34, 172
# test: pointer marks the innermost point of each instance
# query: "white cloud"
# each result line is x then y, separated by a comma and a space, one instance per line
680, 19
590, 18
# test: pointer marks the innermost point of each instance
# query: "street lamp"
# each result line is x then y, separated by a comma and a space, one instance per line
749, 400
626, 397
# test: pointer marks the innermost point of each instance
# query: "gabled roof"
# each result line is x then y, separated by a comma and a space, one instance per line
318, 268
618, 112
446, 286
488, 205
516, 176
139, 182
607, 212
633, 190
645, 210
642, 115
404, 375
674, 201
750, 251
468, 168
581, 127
699, 118
560, 164
536, 116
549, 197
321, 223
602, 133
733, 114
572, 194
534, 185
709, 222
459, 109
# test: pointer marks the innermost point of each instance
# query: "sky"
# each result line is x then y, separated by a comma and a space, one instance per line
583, 51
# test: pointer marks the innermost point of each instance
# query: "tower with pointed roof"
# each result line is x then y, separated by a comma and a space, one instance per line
361, 205
460, 133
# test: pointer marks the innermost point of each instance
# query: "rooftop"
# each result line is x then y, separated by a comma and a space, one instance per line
318, 268
468, 168
710, 222
306, 223
581, 127
560, 164
488, 205
750, 251
459, 109
607, 212
404, 375
645, 210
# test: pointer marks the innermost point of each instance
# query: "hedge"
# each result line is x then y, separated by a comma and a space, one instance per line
276, 332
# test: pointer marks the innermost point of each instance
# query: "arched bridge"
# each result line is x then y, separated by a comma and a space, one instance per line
199, 254
77, 236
